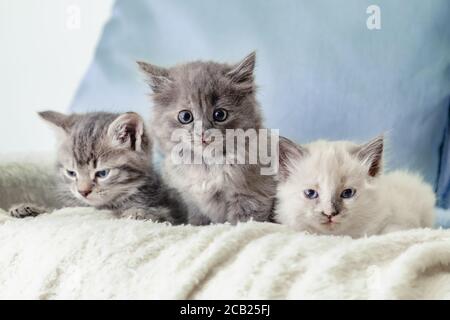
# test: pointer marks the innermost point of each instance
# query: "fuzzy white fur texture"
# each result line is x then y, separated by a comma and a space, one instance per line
82, 253
388, 202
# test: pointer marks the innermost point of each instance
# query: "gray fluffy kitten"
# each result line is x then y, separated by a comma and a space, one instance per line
104, 161
219, 96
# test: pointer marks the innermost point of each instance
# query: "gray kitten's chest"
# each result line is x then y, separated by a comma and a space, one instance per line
206, 191
223, 193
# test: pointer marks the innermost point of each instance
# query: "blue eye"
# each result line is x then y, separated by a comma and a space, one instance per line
102, 173
185, 117
220, 115
71, 173
310, 193
348, 193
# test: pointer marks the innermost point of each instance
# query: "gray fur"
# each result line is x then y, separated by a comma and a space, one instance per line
372, 153
288, 151
213, 193
96, 141
27, 210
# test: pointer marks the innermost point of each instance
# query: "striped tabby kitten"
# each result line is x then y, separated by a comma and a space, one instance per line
104, 161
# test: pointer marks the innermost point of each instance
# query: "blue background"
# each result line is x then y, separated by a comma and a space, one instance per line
321, 72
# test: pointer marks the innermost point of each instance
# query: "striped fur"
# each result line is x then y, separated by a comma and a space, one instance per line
118, 143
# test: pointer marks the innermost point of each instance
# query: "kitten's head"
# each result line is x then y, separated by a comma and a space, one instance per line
202, 95
326, 186
102, 157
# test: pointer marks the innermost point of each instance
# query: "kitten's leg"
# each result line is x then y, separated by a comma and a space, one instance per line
198, 219
24, 210
155, 214
243, 208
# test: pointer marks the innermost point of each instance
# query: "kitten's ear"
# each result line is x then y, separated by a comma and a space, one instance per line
127, 131
371, 154
60, 122
289, 151
243, 71
158, 78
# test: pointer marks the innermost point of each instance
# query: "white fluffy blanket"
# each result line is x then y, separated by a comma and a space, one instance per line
81, 253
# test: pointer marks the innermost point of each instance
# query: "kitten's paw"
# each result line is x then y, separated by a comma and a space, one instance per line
155, 214
134, 214
197, 219
244, 209
26, 210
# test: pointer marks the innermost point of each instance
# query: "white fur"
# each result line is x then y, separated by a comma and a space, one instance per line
384, 203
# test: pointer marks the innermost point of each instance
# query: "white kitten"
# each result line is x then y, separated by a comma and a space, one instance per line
338, 188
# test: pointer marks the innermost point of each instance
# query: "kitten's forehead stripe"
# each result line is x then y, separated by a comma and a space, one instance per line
199, 98
87, 138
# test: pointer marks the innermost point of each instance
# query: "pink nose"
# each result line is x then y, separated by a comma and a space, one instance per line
84, 193
331, 214
203, 138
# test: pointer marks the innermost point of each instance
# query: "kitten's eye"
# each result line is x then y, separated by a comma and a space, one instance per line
220, 115
311, 194
348, 193
185, 117
102, 174
71, 174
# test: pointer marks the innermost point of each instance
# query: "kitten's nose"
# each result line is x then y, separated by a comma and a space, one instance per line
203, 138
330, 214
85, 193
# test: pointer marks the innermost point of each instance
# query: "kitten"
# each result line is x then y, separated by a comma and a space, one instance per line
338, 188
200, 96
104, 161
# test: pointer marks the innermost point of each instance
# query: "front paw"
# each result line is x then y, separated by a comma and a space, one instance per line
134, 214
197, 219
155, 214
26, 210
